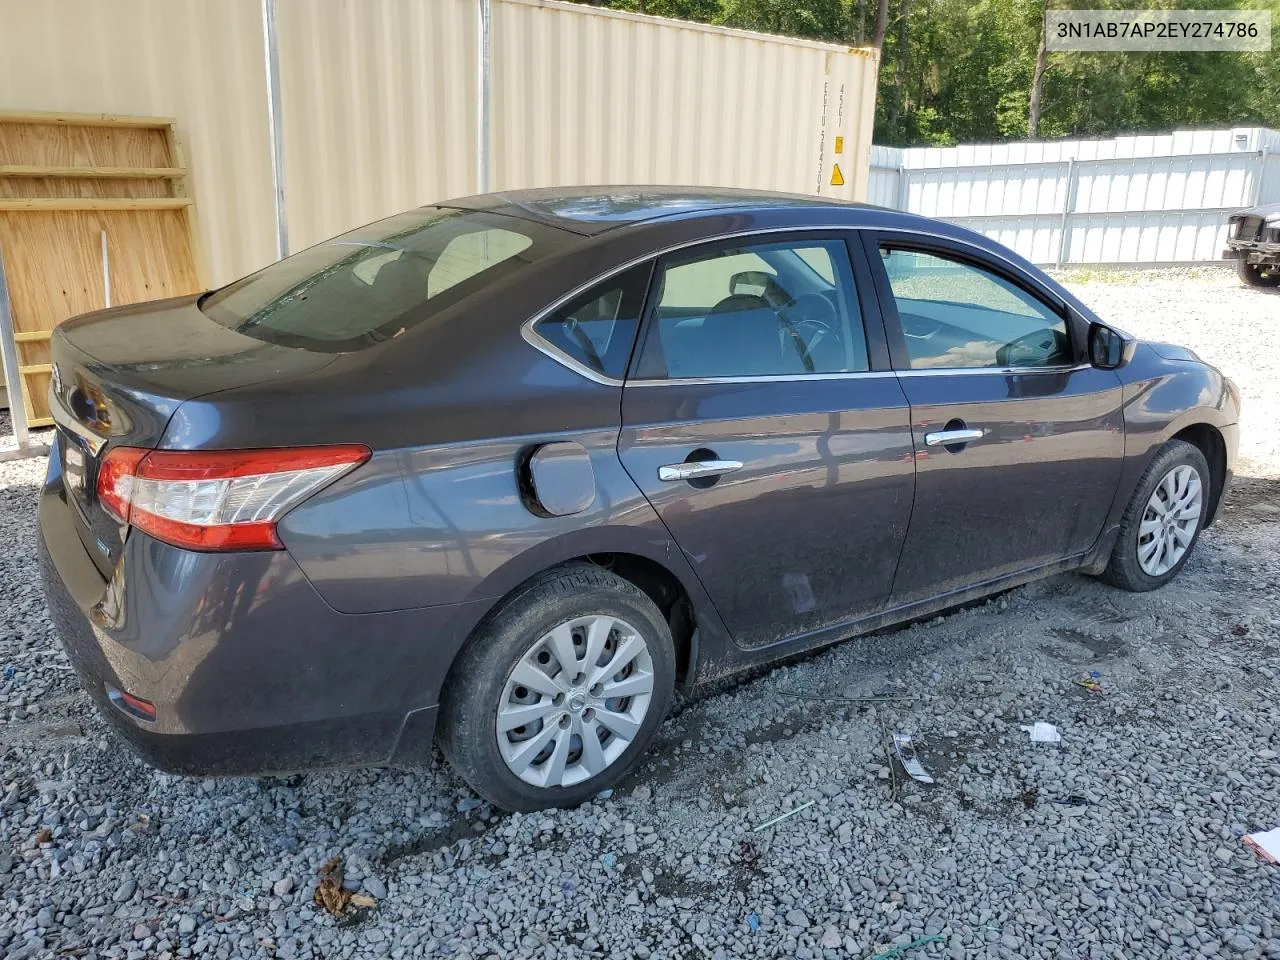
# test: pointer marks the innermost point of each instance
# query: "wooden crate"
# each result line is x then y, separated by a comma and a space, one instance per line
66, 180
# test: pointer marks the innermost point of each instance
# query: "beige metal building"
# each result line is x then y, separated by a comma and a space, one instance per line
377, 102
377, 105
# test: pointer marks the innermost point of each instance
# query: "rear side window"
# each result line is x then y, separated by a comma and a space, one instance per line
598, 328
374, 283
759, 310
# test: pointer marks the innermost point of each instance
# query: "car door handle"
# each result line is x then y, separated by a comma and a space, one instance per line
698, 468
944, 438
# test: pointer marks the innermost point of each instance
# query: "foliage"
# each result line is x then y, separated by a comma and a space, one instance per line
970, 65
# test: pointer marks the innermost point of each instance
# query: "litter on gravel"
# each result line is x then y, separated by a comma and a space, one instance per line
1042, 732
1092, 683
910, 945
785, 816
906, 753
335, 898
1266, 845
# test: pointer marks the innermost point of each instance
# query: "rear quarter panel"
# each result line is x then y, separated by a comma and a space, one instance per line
451, 523
451, 527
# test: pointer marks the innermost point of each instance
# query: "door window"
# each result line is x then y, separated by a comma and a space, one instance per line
598, 328
756, 310
957, 315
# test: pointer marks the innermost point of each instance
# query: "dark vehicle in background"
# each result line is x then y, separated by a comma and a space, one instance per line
1253, 241
506, 472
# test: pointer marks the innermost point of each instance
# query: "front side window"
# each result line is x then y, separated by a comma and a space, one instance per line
598, 328
374, 283
957, 315
756, 310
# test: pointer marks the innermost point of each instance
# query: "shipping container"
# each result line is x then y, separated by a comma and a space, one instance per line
377, 103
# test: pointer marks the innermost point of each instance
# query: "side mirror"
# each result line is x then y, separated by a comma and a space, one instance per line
1109, 349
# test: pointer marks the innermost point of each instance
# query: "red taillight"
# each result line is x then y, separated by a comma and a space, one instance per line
217, 499
115, 476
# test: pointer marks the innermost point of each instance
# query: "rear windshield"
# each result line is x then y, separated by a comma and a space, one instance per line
374, 283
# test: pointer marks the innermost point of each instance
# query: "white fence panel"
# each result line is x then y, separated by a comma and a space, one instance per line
1036, 238
885, 176
1270, 144
1143, 199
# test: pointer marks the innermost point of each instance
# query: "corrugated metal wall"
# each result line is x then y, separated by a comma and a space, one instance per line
378, 108
884, 179
193, 60
587, 96
1144, 199
378, 102
1269, 186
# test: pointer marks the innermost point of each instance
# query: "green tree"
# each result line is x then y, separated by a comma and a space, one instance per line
814, 19
964, 71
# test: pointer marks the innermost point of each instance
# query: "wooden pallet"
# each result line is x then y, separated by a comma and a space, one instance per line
65, 181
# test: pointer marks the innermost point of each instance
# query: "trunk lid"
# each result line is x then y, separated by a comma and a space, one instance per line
118, 377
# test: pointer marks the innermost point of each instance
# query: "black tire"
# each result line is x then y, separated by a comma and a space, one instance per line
468, 732
1251, 274
1124, 570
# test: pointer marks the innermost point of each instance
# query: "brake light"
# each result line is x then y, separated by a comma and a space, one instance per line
217, 499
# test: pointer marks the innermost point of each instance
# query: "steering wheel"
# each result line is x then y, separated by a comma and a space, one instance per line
812, 317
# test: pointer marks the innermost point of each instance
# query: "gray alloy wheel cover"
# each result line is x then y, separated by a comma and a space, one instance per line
575, 701
1170, 520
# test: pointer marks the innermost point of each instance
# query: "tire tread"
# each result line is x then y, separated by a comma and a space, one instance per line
1253, 277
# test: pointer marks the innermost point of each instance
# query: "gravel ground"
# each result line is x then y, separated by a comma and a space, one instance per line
1122, 841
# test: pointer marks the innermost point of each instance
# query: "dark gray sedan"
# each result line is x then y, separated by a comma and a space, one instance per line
507, 472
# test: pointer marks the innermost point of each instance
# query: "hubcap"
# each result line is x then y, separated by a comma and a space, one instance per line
575, 701
1170, 520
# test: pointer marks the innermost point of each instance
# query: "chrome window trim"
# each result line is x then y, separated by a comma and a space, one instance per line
544, 346
559, 356
772, 378
861, 375
1003, 371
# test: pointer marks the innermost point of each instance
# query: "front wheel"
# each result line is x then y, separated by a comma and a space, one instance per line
559, 692
1163, 520
1252, 276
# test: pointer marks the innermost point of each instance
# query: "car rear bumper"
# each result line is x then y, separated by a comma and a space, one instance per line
249, 670
1253, 251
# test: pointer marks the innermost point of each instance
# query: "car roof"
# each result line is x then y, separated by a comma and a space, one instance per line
600, 213
593, 210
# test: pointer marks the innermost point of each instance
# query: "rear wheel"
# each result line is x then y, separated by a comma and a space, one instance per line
560, 691
1252, 275
1163, 520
